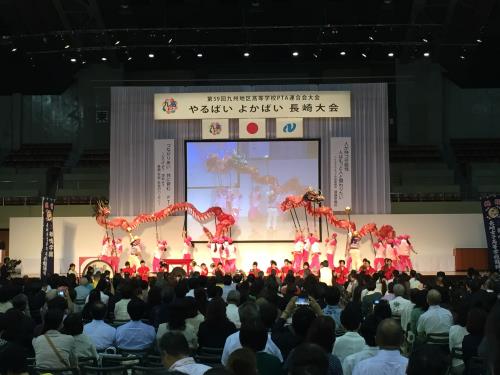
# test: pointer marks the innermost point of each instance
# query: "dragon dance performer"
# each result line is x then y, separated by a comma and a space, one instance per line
135, 255
331, 248
391, 252
116, 253
298, 251
161, 248
213, 250
187, 247
316, 252
379, 248
404, 250
230, 265
352, 249
106, 250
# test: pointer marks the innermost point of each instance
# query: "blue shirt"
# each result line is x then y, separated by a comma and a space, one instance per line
100, 333
333, 312
82, 292
135, 335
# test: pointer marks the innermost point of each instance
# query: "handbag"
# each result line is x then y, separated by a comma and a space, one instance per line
54, 349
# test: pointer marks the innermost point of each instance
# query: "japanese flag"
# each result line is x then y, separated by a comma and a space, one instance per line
252, 128
215, 128
289, 128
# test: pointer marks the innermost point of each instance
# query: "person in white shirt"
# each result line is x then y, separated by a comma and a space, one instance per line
325, 273
249, 312
52, 348
121, 313
401, 307
351, 342
100, 333
368, 330
233, 300
388, 360
457, 333
177, 323
414, 281
175, 355
84, 347
435, 319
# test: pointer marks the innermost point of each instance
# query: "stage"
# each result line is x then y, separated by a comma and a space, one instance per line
434, 237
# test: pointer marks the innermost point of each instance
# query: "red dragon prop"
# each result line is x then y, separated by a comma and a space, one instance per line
311, 200
224, 221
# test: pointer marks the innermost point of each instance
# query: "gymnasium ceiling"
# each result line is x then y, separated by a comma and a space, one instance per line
45, 44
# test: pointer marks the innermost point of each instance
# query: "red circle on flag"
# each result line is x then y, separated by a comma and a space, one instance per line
252, 128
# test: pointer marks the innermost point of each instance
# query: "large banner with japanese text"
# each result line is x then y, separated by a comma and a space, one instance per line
164, 173
47, 253
340, 173
491, 214
177, 106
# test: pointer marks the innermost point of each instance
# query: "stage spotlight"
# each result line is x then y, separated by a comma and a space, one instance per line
117, 42
104, 59
66, 46
73, 60
426, 54
342, 53
295, 53
390, 54
151, 55
364, 55
199, 55
246, 54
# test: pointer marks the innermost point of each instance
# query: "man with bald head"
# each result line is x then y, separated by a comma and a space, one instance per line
401, 307
435, 319
388, 360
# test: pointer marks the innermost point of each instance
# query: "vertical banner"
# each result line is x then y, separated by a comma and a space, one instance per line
252, 128
215, 129
289, 128
47, 254
491, 214
340, 173
164, 173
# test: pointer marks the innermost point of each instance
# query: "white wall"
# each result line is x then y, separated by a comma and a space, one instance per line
434, 238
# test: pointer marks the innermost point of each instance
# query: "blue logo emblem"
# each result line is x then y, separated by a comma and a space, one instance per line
289, 127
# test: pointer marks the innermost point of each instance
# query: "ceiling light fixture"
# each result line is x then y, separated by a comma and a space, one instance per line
426, 54
151, 55
479, 40
295, 53
371, 37
14, 49
425, 40
246, 54
199, 55
462, 57
129, 58
390, 54
104, 59
66, 46
117, 42
342, 53
364, 55
73, 60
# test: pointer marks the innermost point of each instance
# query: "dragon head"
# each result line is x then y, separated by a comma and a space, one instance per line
101, 208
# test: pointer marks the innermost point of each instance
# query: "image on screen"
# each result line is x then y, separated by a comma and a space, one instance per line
249, 179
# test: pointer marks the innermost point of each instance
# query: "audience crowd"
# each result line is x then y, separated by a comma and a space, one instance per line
254, 324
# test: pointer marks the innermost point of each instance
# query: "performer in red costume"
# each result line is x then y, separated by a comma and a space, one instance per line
230, 266
305, 271
255, 269
161, 247
379, 248
391, 252
204, 270
366, 268
341, 272
405, 248
286, 267
316, 252
143, 271
388, 269
214, 250
331, 248
128, 269
298, 251
273, 266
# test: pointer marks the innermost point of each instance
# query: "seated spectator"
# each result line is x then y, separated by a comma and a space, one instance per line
249, 312
101, 287
5, 296
414, 280
193, 316
322, 333
308, 358
13, 360
419, 298
288, 337
82, 290
135, 335
214, 331
73, 326
228, 286
368, 330
93, 297
100, 333
175, 355
351, 342
332, 308
401, 307
457, 334
389, 295
19, 328
242, 362
254, 337
177, 323
435, 319
120, 310
370, 297
388, 359
476, 321
423, 360
54, 349
233, 300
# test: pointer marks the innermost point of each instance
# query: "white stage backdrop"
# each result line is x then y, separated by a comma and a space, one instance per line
164, 176
133, 131
433, 236
341, 163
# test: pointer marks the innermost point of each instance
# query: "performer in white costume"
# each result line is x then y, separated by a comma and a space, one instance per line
379, 261
135, 255
353, 242
331, 248
405, 248
161, 247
